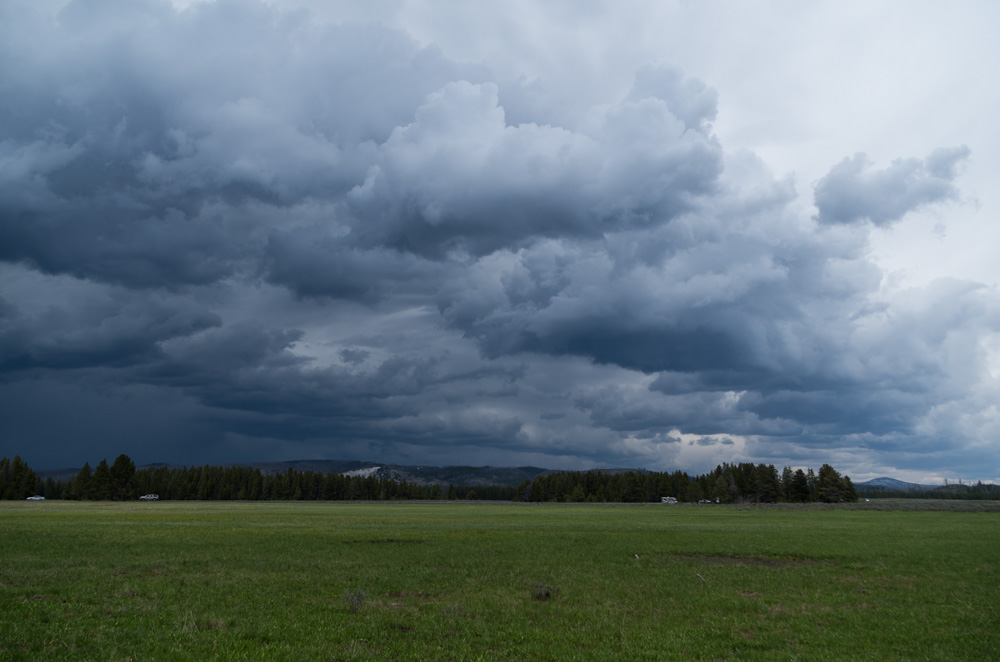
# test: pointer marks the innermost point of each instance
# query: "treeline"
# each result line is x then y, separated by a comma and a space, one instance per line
121, 481
727, 483
978, 491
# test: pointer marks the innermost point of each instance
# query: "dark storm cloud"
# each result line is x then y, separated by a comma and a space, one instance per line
126, 157
82, 326
460, 178
853, 192
312, 263
726, 290
318, 239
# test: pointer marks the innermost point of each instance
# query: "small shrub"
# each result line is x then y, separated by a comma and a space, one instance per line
355, 599
543, 592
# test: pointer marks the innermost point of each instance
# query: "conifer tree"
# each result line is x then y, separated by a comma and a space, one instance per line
799, 491
122, 472
101, 482
17, 479
82, 482
768, 486
831, 487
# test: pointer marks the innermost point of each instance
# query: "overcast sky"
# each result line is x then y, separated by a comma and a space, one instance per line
565, 234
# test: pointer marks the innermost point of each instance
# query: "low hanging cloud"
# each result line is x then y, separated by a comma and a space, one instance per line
60, 323
279, 237
852, 191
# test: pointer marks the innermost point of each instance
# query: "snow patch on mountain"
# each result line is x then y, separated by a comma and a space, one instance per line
361, 473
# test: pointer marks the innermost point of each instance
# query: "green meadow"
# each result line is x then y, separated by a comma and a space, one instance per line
447, 581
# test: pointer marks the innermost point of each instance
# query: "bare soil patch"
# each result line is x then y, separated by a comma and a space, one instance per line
734, 559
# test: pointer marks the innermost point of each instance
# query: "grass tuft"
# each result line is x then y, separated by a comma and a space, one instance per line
543, 592
355, 600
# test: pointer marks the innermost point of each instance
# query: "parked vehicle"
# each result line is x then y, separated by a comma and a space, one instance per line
149, 497
36, 498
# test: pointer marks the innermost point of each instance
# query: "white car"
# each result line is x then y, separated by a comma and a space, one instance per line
149, 497
36, 498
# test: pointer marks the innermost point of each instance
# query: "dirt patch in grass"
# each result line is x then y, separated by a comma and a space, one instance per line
816, 609
733, 559
385, 541
403, 599
140, 572
418, 595
32, 598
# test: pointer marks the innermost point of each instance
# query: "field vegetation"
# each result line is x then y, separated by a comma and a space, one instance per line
459, 581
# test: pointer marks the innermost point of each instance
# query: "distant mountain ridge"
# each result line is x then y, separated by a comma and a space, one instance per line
418, 474
458, 475
887, 483
423, 474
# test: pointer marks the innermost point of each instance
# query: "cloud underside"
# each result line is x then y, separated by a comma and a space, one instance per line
853, 192
287, 238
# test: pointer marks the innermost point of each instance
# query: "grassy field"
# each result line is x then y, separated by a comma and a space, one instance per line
434, 581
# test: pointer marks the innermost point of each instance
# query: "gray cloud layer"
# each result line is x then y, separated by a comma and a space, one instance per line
272, 237
852, 192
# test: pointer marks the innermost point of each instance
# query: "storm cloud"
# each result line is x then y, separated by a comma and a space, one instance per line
852, 191
273, 235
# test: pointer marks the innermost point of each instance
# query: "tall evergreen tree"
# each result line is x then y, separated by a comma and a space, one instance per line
4, 477
799, 490
832, 488
768, 486
82, 482
122, 472
786, 484
17, 479
101, 489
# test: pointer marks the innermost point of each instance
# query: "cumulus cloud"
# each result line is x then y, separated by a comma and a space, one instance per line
129, 152
852, 191
460, 178
291, 237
